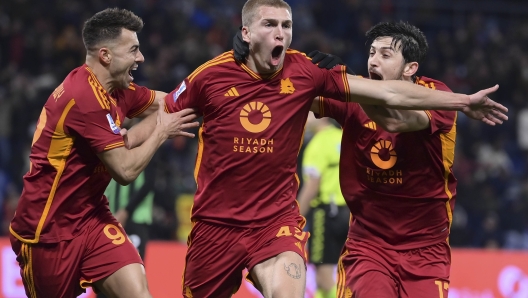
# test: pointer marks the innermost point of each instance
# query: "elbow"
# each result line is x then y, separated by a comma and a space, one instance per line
124, 178
390, 126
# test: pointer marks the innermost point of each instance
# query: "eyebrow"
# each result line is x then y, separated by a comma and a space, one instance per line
383, 48
277, 21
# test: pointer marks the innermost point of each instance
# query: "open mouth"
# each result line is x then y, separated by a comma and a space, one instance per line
130, 71
375, 76
276, 54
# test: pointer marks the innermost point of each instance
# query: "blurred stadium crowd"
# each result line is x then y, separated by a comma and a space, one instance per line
473, 45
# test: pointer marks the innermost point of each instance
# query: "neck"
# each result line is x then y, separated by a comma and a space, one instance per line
253, 64
101, 73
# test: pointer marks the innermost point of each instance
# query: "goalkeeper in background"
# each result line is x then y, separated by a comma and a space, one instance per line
328, 218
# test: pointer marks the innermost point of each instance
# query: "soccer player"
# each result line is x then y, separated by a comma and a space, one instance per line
245, 214
63, 233
397, 179
328, 218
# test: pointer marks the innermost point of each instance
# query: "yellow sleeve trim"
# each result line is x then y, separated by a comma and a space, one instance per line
114, 145
149, 103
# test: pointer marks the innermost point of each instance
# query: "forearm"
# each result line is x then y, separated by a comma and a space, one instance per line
141, 131
307, 194
125, 165
392, 120
402, 95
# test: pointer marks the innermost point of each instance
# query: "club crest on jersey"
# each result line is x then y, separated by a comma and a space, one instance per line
179, 91
113, 126
286, 86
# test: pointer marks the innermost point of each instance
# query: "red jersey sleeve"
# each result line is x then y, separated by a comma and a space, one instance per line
137, 99
96, 127
442, 121
187, 95
333, 108
331, 83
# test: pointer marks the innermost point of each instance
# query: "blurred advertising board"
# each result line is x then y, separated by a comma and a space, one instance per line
474, 274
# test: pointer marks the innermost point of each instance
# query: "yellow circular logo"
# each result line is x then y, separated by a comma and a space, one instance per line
263, 112
383, 155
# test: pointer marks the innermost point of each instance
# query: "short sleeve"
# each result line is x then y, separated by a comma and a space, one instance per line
98, 128
138, 99
334, 109
188, 94
331, 83
442, 121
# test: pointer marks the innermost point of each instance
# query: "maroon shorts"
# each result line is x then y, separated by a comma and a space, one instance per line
217, 254
366, 270
66, 268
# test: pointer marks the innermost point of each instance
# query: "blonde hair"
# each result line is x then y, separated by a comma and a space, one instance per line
250, 9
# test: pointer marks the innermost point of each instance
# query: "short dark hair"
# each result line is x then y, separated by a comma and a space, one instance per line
412, 41
107, 25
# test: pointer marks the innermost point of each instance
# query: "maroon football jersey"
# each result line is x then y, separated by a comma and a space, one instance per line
399, 186
66, 181
251, 134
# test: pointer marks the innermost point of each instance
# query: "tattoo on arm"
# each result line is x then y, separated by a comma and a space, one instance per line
293, 270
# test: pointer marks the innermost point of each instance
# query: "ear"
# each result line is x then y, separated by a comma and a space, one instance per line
246, 34
410, 69
105, 56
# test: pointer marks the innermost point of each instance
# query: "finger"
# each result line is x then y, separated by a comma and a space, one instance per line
492, 89
123, 132
186, 134
313, 53
494, 119
488, 122
183, 134
497, 106
189, 125
499, 115
328, 62
318, 57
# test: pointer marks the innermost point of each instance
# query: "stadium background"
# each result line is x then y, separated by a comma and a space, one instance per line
473, 45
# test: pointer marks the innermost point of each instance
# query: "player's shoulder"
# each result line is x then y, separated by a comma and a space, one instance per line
223, 63
82, 89
297, 56
432, 83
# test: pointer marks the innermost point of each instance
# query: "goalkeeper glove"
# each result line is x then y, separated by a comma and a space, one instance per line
240, 47
328, 61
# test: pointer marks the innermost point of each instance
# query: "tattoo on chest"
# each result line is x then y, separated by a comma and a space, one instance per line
293, 270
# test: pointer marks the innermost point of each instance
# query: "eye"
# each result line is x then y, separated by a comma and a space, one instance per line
268, 25
371, 54
287, 26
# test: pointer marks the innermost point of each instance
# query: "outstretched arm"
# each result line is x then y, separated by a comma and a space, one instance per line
405, 96
397, 120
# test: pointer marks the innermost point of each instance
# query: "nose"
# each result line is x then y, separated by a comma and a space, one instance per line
279, 33
373, 61
139, 57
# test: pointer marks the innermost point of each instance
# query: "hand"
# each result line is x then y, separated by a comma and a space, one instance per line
121, 216
328, 61
240, 47
124, 133
482, 108
173, 124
